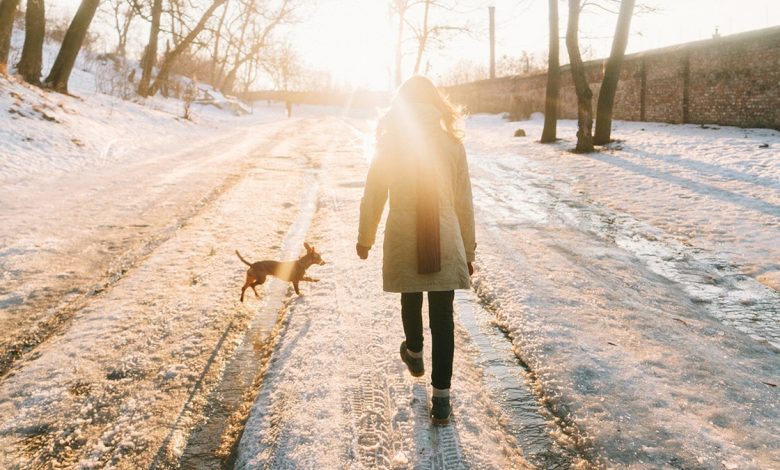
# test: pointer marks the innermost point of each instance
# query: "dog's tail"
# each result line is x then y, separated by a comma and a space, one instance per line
242, 259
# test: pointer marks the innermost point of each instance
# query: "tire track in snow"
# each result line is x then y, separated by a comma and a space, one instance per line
619, 351
126, 383
61, 306
512, 382
25, 342
336, 395
214, 443
524, 415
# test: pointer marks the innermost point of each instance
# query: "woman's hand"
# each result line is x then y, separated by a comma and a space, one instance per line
362, 251
471, 268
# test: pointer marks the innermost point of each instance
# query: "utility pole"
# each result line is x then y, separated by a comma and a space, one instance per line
492, 11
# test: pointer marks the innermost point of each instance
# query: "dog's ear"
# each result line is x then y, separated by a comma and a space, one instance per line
308, 247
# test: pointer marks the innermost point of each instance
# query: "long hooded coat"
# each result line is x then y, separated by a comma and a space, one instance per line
416, 154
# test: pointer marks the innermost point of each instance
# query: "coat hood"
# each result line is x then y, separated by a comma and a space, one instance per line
407, 118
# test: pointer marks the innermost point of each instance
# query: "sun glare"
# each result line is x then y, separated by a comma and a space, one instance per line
352, 41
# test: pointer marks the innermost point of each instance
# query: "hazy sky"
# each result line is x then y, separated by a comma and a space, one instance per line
353, 39
360, 29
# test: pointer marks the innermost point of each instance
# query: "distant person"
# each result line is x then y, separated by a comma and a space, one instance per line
429, 244
288, 105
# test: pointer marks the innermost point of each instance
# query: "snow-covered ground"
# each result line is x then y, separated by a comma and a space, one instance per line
48, 133
637, 284
699, 205
625, 310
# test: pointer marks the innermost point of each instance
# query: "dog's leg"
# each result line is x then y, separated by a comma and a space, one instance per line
258, 282
309, 279
295, 286
248, 283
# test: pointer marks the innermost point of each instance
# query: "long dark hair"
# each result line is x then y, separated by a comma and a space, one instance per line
421, 90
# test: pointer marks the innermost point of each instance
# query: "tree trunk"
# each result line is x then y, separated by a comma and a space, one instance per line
215, 53
584, 94
71, 45
29, 66
230, 79
423, 39
251, 75
609, 84
226, 87
170, 57
549, 134
7, 14
150, 53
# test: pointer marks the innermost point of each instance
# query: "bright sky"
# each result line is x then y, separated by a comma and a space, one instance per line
353, 39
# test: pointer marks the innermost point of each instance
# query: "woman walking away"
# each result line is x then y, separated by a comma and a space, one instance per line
429, 244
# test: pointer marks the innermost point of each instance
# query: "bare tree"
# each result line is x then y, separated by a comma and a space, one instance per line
29, 66
612, 74
584, 94
231, 28
422, 36
150, 52
281, 65
122, 13
172, 55
215, 61
399, 7
425, 31
428, 32
246, 13
257, 40
251, 72
7, 14
71, 45
549, 133
242, 35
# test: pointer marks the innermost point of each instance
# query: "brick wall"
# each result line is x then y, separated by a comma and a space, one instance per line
733, 80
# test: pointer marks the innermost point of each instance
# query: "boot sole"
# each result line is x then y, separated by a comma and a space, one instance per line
440, 422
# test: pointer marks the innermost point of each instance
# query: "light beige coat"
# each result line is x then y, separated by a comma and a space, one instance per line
393, 173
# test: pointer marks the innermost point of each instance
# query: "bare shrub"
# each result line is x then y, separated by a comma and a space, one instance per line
189, 95
112, 76
190, 65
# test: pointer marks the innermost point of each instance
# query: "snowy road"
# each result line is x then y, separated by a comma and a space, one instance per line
593, 337
336, 394
157, 363
138, 354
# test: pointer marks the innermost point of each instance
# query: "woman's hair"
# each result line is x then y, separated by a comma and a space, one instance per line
421, 90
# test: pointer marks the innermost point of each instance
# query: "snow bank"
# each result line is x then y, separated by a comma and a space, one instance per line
45, 133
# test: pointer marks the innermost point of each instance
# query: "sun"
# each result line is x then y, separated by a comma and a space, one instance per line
352, 40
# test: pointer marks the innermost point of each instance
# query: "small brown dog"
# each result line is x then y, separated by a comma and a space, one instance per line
292, 271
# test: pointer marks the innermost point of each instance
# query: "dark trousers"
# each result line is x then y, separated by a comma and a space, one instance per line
442, 331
